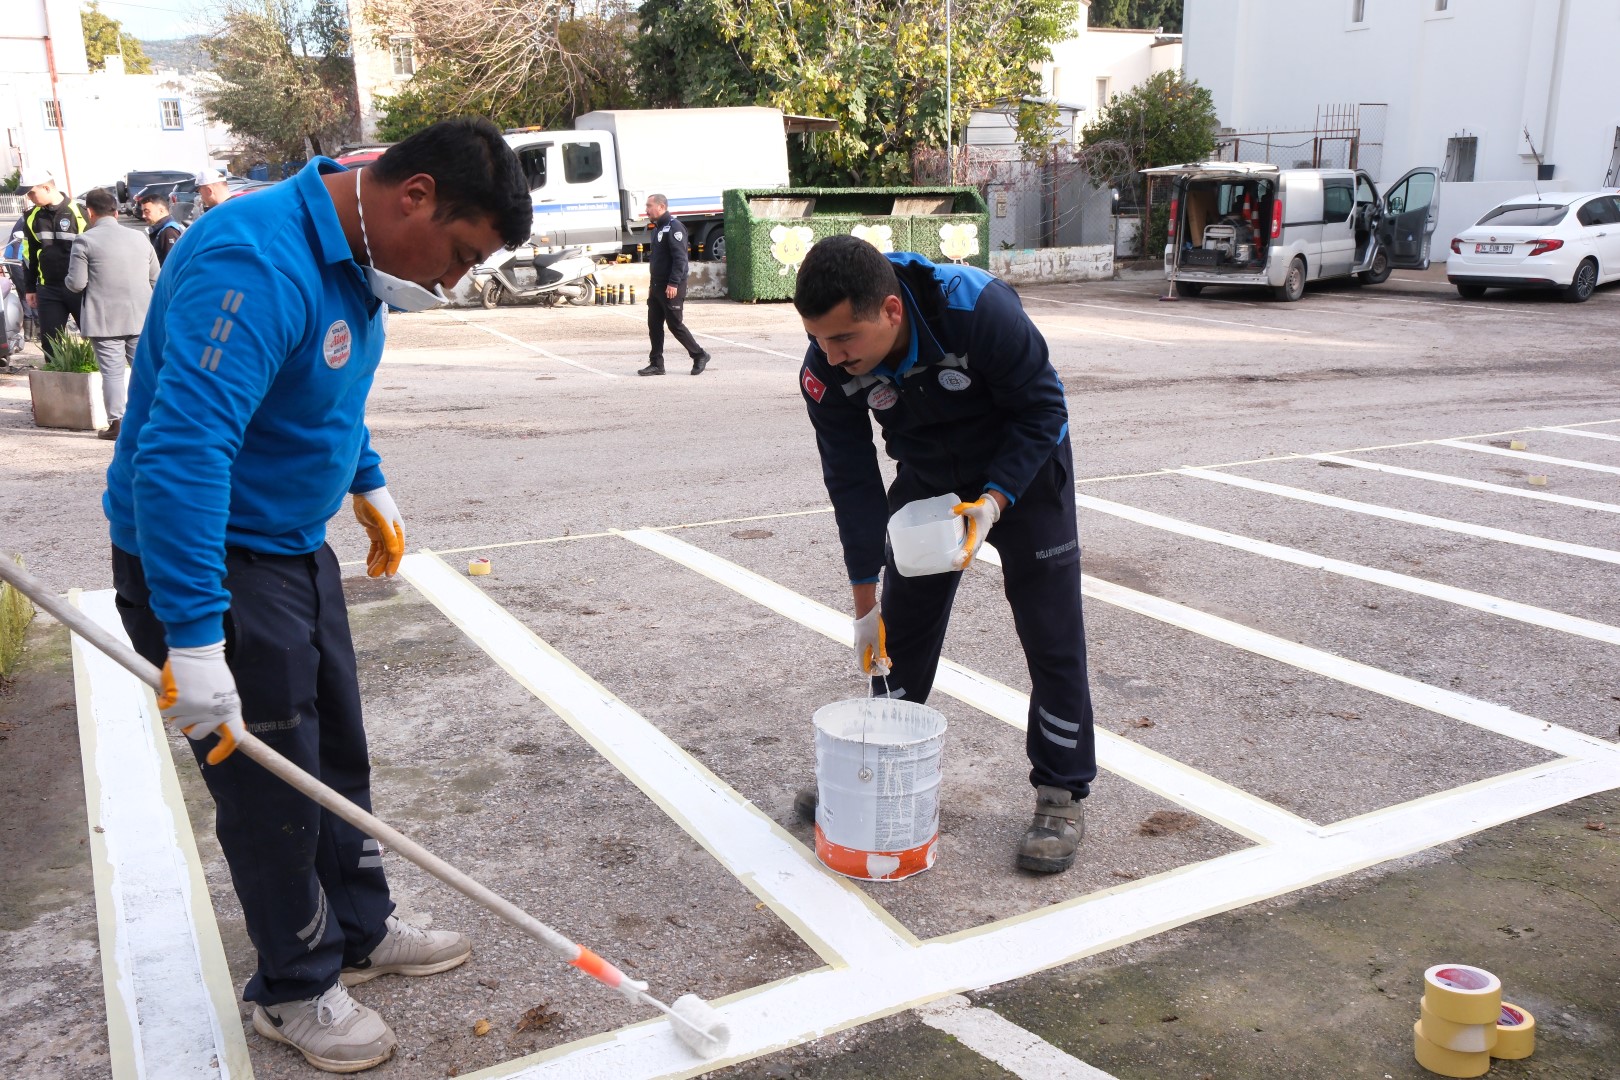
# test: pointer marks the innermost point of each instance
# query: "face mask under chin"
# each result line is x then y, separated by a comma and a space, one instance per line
396, 292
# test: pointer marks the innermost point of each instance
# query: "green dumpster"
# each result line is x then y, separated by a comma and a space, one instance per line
769, 230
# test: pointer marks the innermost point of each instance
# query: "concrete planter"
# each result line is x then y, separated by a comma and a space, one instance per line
67, 399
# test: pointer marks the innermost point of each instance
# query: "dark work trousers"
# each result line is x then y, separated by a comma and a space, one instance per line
1038, 541
660, 310
56, 303
311, 886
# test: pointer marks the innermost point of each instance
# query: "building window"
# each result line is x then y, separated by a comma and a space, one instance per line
1102, 94
1358, 11
1613, 177
169, 114
53, 113
1459, 166
403, 54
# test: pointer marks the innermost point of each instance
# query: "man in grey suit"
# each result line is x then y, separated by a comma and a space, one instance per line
115, 268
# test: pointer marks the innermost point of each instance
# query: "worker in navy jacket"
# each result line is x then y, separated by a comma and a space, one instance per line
960, 384
244, 433
666, 288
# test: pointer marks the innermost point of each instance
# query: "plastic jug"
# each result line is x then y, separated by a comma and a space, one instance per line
926, 537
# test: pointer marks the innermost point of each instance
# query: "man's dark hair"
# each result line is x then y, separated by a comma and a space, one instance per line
843, 268
101, 201
154, 198
475, 174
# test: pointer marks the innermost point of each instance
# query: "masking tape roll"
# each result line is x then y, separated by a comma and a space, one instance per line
1466, 1038
475, 567
1463, 994
1439, 1060
1515, 1033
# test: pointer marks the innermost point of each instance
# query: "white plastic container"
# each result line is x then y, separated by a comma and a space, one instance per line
926, 537
877, 774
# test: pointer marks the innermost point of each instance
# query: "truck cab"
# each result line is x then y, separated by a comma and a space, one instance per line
1256, 224
573, 183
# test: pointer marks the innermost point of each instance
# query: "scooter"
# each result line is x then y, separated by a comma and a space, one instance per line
545, 276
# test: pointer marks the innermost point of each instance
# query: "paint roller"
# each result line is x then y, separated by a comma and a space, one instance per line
695, 1022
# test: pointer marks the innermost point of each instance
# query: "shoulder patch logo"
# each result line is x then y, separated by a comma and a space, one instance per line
680, 236
812, 385
951, 379
882, 397
335, 349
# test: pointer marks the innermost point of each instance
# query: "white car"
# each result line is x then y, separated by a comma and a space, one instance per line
1557, 240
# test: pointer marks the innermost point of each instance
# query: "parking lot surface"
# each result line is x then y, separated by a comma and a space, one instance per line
1354, 667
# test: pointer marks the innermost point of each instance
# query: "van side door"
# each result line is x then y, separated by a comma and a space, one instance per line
1411, 211
1338, 228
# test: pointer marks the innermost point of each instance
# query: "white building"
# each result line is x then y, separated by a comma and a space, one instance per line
89, 128
1094, 64
384, 56
1503, 94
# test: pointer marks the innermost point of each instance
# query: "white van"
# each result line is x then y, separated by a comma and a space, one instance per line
1249, 223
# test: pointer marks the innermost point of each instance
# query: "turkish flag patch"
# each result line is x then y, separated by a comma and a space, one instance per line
812, 385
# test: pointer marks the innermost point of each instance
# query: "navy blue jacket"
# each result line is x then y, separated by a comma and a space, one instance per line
667, 260
974, 405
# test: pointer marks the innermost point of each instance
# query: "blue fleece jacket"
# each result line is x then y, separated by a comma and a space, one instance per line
246, 417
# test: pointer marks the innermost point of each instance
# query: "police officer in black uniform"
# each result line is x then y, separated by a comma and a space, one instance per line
666, 296
49, 230
959, 381
161, 229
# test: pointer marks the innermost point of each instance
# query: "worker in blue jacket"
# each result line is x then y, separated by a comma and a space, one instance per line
959, 381
244, 432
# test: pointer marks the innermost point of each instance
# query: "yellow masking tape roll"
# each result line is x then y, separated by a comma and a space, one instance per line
1463, 994
476, 567
1468, 1038
1515, 1033
1439, 1060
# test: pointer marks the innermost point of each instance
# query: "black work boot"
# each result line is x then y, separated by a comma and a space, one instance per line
654, 368
1053, 837
699, 362
805, 801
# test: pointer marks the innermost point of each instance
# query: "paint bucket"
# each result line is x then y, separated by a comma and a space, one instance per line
877, 774
926, 537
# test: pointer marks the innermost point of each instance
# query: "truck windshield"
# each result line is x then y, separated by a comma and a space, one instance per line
1532, 214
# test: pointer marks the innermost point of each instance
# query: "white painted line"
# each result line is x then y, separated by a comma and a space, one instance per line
1445, 524
834, 917
171, 1004
1022, 1053
1476, 485
1070, 328
1583, 434
1153, 314
1492, 605
1229, 806
547, 353
1524, 456
729, 341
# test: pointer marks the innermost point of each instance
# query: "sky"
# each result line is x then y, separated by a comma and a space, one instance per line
155, 20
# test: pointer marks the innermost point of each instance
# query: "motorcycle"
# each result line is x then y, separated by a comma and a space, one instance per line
526, 273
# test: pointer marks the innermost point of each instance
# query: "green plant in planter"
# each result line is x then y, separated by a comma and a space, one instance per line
69, 352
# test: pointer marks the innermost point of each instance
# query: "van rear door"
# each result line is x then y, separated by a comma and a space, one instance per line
1411, 211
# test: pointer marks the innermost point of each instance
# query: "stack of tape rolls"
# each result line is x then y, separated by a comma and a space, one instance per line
1464, 1022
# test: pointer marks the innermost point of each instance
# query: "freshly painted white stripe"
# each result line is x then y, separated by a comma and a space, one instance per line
1522, 455
817, 1004
1476, 485
834, 916
1237, 810
1583, 434
1022, 1053
547, 353
1151, 313
171, 1005
1484, 532
1509, 609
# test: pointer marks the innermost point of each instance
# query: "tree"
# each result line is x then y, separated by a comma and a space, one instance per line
876, 66
1138, 14
283, 78
1164, 121
104, 35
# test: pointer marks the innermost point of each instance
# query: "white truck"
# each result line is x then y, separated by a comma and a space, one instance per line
590, 185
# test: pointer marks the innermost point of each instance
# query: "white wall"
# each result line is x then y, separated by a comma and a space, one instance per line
369, 23
1126, 58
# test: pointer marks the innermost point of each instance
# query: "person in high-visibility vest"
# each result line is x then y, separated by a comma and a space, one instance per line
49, 230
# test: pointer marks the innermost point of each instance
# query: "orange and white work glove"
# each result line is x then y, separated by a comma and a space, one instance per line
871, 644
377, 512
199, 697
980, 516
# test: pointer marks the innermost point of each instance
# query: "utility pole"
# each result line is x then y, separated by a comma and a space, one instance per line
950, 132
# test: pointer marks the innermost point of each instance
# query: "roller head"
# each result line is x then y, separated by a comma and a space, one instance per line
699, 1026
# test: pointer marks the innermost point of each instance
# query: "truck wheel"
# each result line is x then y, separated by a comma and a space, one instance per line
1377, 273
491, 296
1293, 286
584, 292
717, 244
1189, 289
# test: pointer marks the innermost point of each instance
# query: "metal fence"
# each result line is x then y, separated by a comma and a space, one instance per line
1342, 137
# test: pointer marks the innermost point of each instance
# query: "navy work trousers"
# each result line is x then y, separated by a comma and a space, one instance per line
663, 310
1038, 541
311, 886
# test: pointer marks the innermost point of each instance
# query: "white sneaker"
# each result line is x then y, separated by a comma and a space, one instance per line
334, 1032
409, 951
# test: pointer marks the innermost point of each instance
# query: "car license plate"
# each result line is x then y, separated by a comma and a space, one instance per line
1493, 249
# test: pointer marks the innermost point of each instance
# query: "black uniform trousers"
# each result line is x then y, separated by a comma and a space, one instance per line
660, 310
56, 303
1038, 541
311, 885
